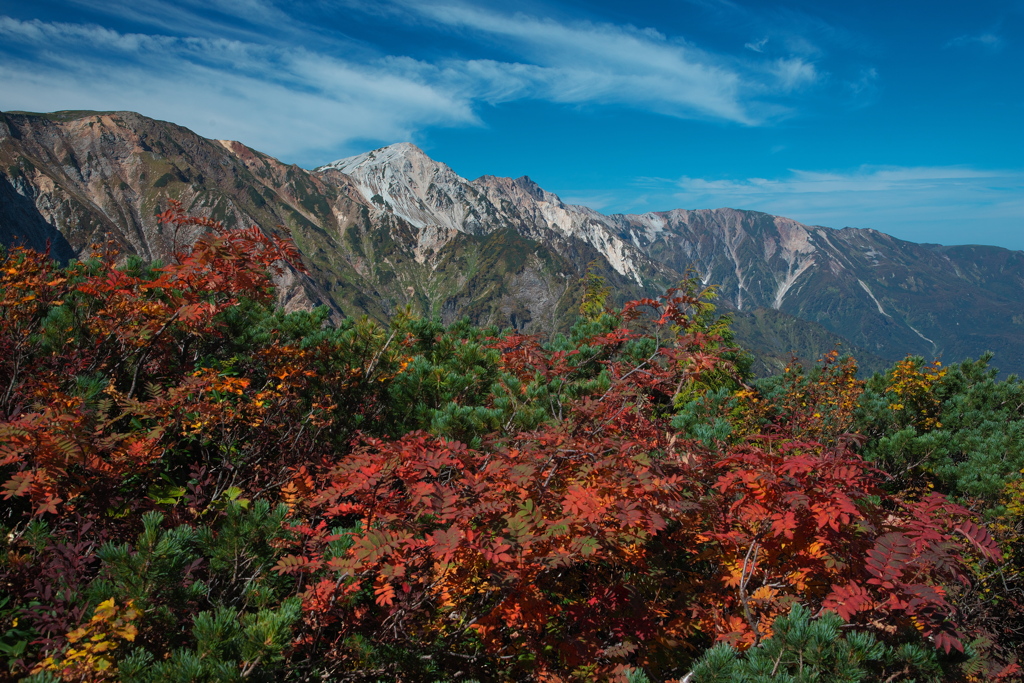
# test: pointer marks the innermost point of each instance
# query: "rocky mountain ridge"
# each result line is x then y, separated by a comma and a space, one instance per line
392, 228
758, 260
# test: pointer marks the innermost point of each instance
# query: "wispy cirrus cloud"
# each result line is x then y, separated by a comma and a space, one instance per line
793, 72
212, 19
865, 84
757, 45
586, 62
986, 40
259, 70
291, 102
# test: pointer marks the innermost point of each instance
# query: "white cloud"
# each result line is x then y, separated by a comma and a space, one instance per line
237, 19
987, 40
865, 179
599, 201
604, 63
865, 84
42, 33
247, 69
288, 102
757, 46
793, 73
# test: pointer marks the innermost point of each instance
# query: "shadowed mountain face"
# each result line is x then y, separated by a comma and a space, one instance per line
393, 228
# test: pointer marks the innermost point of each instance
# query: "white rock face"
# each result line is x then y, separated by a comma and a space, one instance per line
402, 179
794, 247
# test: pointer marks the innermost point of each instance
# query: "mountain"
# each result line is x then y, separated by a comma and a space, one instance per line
886, 295
393, 228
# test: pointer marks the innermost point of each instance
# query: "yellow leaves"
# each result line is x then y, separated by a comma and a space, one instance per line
195, 428
913, 386
633, 552
798, 579
290, 495
89, 655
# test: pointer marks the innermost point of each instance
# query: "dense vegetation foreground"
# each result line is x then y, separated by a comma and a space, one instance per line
199, 487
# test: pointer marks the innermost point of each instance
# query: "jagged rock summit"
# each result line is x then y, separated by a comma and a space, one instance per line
402, 179
393, 227
405, 179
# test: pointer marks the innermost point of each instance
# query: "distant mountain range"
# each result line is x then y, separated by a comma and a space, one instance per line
392, 227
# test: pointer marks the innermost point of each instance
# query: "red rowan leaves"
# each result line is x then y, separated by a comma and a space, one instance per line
848, 600
980, 538
886, 561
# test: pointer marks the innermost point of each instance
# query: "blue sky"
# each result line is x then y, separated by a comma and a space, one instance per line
906, 117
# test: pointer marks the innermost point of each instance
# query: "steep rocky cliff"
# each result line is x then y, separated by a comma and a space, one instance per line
393, 228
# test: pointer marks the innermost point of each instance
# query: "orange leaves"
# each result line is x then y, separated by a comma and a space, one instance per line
444, 543
134, 327
496, 552
816, 406
383, 592
835, 512
298, 489
600, 536
377, 545
142, 313
30, 290
20, 483
57, 449
482, 530
784, 524
609, 522
805, 507
234, 249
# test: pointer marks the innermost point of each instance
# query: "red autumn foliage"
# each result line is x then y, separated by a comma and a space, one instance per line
603, 538
136, 326
600, 537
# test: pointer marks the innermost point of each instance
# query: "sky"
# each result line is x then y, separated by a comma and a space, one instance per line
906, 117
